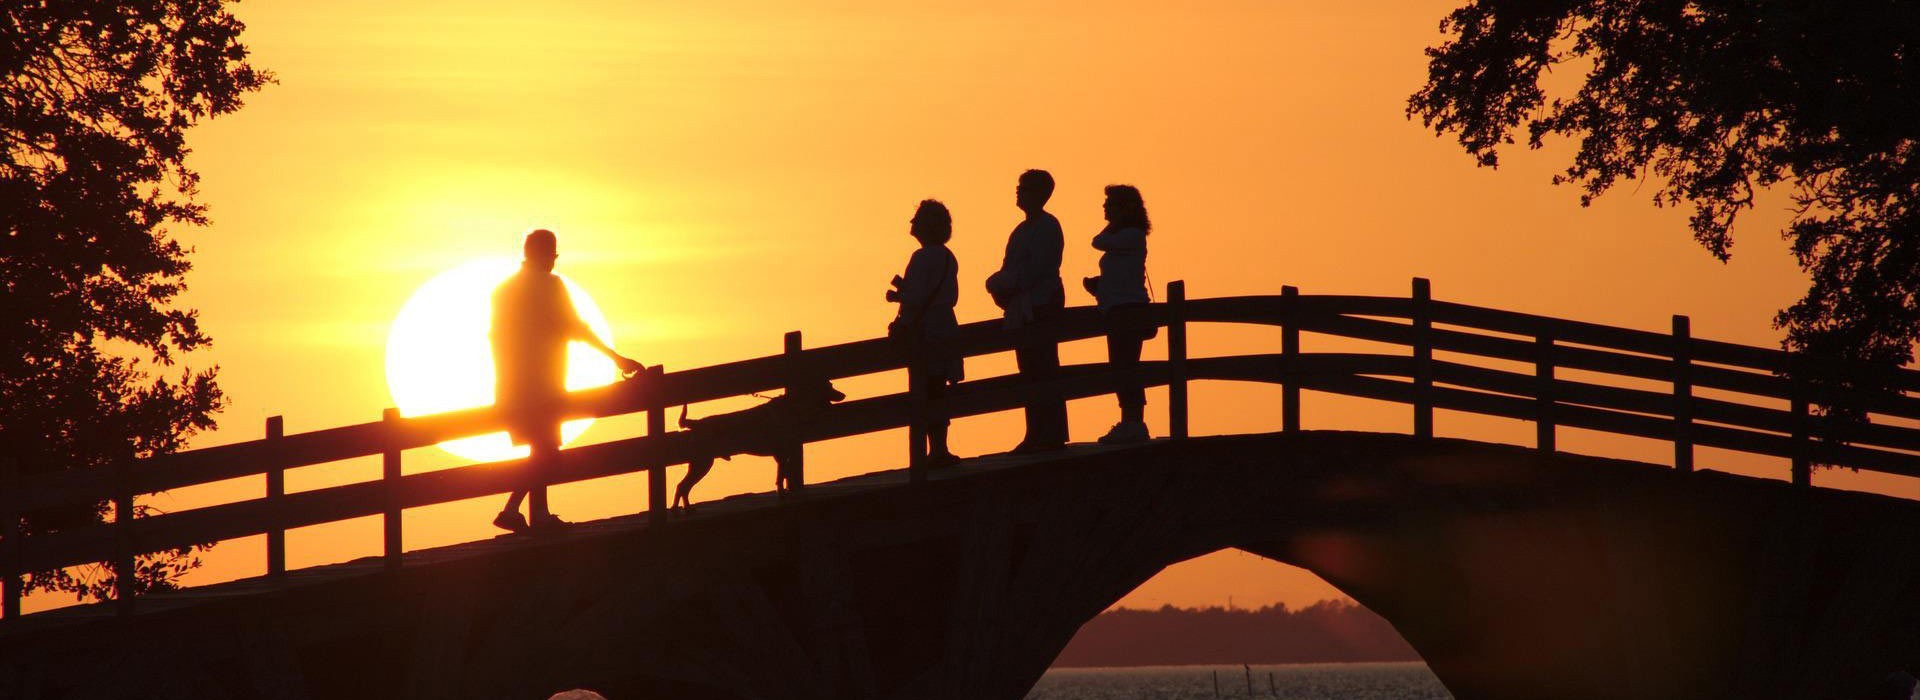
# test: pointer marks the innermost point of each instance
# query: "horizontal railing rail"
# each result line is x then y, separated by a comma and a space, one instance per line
1748, 378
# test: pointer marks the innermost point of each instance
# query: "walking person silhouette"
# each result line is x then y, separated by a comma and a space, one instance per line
1121, 291
533, 321
926, 293
1027, 288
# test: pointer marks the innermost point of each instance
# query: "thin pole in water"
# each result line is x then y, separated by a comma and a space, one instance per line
1271, 688
1249, 670
1216, 683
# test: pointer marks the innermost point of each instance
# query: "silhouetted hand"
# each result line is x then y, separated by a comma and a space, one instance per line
627, 365
1092, 284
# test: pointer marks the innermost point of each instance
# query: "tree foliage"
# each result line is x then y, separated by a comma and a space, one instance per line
1713, 101
96, 98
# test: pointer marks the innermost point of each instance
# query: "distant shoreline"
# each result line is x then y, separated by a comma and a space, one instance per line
1326, 632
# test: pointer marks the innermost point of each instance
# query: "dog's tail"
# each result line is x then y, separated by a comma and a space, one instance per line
684, 423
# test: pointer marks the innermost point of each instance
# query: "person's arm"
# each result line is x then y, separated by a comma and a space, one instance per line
580, 331
1011, 278
918, 284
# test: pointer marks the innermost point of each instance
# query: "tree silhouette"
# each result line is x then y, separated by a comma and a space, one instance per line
96, 97
1713, 101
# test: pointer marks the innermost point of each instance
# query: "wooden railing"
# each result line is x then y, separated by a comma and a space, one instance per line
1745, 376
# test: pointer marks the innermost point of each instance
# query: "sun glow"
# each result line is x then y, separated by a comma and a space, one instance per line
439, 359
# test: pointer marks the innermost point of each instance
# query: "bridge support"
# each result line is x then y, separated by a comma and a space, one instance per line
797, 452
1543, 421
1682, 393
657, 498
390, 473
276, 490
916, 425
1802, 440
125, 574
10, 580
1177, 359
1422, 318
1290, 358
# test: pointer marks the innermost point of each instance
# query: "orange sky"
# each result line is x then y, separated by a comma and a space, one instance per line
722, 172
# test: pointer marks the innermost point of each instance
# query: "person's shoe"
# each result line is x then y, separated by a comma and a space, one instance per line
942, 459
549, 523
1126, 433
511, 521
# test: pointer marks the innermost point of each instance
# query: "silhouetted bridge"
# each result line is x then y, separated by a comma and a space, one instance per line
1517, 573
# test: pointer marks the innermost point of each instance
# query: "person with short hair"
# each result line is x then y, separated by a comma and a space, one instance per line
926, 293
533, 321
1027, 289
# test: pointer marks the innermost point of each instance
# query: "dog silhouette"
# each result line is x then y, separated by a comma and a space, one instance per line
772, 429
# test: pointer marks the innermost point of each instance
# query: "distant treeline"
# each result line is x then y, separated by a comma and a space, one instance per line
1327, 631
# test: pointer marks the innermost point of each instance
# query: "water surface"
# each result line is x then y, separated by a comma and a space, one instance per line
1376, 681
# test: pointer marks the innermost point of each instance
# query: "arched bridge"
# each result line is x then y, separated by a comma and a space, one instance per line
1517, 572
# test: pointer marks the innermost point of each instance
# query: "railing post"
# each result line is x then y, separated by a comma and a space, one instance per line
390, 476
657, 498
124, 571
916, 422
797, 452
1682, 393
1289, 360
10, 578
1422, 318
1177, 359
1802, 436
276, 489
1543, 390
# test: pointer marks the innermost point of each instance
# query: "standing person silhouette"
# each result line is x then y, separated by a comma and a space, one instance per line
926, 294
1121, 291
1027, 287
533, 320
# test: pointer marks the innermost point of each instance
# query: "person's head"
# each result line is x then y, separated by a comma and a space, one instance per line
932, 224
540, 248
1125, 209
1035, 188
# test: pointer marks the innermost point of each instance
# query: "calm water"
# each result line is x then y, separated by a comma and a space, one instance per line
1401, 681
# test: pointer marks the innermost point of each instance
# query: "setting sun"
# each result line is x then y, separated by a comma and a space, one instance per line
438, 357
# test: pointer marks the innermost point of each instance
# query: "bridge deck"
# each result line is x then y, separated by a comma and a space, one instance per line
158, 603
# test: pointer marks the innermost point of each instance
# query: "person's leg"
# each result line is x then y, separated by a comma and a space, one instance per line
1133, 397
1122, 355
1027, 358
544, 458
1054, 411
1118, 361
509, 518
937, 428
